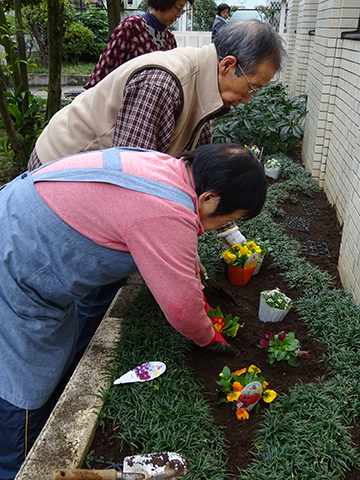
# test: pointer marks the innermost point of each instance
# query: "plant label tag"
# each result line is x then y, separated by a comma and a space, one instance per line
252, 260
249, 396
142, 373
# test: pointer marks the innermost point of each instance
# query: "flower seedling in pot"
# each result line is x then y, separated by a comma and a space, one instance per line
276, 299
282, 347
242, 256
244, 388
228, 325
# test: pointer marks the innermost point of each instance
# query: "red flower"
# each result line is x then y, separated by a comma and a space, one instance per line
282, 336
264, 343
218, 323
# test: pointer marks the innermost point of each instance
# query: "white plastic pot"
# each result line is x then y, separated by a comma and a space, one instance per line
272, 172
270, 314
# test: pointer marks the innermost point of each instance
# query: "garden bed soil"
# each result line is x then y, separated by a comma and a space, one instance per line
207, 366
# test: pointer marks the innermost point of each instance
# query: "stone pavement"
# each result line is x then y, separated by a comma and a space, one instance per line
66, 91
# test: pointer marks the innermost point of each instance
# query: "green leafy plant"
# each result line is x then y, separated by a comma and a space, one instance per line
204, 15
232, 384
96, 20
228, 325
282, 347
77, 42
276, 299
264, 245
271, 119
28, 125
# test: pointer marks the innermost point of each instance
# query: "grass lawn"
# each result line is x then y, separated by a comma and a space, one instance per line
67, 68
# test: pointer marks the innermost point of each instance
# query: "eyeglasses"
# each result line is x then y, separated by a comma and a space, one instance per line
180, 10
252, 89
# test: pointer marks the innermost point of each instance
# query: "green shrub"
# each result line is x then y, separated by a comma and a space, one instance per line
271, 120
28, 127
96, 20
204, 15
77, 42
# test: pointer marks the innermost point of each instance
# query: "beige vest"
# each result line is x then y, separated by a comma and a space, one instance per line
88, 122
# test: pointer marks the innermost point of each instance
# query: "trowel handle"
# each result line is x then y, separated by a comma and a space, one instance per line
79, 474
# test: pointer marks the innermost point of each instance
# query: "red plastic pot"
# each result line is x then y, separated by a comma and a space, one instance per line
239, 276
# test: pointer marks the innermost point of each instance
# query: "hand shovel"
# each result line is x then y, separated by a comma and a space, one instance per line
152, 466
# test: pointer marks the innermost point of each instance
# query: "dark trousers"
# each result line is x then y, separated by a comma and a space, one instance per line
19, 429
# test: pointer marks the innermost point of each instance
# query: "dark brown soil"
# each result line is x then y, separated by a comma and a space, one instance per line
239, 433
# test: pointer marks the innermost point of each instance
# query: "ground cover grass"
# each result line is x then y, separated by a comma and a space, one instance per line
304, 434
81, 68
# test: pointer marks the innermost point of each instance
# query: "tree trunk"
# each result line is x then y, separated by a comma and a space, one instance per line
55, 37
113, 8
22, 54
8, 123
11, 59
42, 47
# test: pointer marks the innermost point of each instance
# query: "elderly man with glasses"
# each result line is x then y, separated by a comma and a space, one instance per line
162, 101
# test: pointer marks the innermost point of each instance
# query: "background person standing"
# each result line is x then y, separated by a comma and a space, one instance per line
221, 19
139, 34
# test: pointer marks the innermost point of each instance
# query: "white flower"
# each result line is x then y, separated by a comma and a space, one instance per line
273, 163
276, 299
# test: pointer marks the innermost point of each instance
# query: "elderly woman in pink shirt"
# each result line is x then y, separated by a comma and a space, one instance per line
97, 217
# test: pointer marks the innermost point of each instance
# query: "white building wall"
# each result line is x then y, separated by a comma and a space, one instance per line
327, 68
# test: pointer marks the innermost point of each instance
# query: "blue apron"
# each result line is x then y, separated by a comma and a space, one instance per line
45, 266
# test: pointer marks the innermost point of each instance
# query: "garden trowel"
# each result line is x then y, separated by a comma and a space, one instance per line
218, 289
152, 466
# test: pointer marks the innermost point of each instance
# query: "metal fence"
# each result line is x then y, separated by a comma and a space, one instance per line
273, 19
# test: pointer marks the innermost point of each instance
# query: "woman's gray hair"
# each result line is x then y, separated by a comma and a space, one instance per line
250, 42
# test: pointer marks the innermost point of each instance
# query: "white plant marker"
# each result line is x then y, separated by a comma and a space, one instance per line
142, 373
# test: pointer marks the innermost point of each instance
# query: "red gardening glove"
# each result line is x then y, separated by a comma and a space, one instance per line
207, 306
220, 345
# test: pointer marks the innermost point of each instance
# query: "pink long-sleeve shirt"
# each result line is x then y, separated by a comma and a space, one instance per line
160, 234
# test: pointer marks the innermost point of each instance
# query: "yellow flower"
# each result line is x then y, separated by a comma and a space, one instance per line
230, 257
254, 369
242, 414
239, 372
264, 385
245, 146
237, 387
269, 396
232, 397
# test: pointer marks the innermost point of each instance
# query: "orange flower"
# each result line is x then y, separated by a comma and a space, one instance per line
242, 414
264, 385
239, 372
237, 387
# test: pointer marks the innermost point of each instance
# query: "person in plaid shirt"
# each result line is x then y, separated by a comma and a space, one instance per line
162, 101
139, 34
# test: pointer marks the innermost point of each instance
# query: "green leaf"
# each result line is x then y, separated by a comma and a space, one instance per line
294, 361
280, 355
